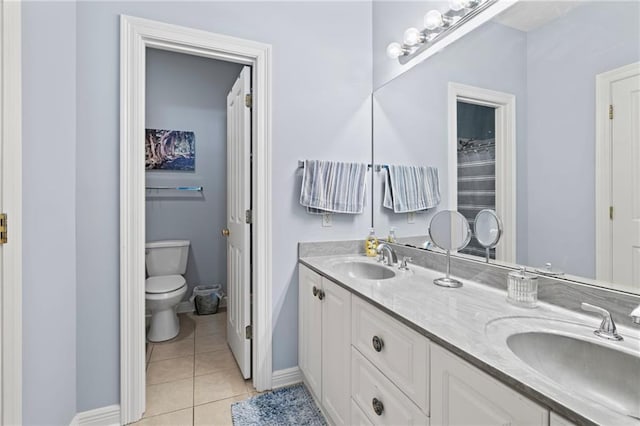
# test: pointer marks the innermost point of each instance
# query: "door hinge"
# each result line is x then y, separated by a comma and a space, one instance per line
611, 212
3, 228
610, 112
248, 332
248, 100
248, 216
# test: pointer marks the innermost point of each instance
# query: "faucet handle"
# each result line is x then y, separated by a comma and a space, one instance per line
607, 328
403, 264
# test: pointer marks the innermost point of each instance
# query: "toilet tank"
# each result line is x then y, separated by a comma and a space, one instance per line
166, 257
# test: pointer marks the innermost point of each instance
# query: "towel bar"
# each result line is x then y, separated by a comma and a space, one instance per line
301, 165
177, 188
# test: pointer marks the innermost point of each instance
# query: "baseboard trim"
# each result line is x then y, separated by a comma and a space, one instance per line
185, 307
103, 416
286, 377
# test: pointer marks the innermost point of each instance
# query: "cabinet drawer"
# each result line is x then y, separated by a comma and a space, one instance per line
369, 385
358, 418
402, 354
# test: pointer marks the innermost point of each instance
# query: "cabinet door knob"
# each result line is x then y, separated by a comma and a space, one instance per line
378, 407
320, 294
378, 344
225, 232
315, 290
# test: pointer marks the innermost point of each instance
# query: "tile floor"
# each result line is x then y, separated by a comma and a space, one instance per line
193, 379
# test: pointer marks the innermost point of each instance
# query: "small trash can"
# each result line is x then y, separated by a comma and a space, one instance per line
206, 298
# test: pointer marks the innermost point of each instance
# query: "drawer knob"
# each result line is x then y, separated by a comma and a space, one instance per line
378, 407
378, 344
320, 294
315, 290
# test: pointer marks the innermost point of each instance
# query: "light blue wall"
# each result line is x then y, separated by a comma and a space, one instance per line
187, 92
410, 114
49, 200
321, 110
563, 59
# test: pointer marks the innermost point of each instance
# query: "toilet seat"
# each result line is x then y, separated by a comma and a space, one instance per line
164, 284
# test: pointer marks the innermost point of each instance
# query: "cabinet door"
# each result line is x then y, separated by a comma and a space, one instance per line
310, 329
463, 395
556, 420
336, 352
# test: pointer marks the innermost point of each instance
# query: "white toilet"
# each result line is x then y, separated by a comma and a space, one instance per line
165, 286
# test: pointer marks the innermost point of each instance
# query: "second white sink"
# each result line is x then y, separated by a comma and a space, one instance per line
600, 373
579, 362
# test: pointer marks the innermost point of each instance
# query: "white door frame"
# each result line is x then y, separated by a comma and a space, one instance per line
11, 193
603, 231
505, 105
136, 35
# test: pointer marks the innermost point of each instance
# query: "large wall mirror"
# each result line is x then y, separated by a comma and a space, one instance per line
515, 117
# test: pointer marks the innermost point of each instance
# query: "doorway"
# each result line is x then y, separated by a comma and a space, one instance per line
198, 148
476, 166
138, 35
617, 178
482, 146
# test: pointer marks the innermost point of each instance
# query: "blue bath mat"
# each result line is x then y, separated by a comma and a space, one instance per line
292, 405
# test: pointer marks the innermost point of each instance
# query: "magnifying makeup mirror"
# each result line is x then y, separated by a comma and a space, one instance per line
449, 230
488, 230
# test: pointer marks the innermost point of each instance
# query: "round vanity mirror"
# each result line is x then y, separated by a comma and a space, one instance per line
487, 229
449, 230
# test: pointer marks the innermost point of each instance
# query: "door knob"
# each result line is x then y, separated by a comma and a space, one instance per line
225, 232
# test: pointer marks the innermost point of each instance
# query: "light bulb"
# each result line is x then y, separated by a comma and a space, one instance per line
394, 50
433, 20
457, 5
412, 37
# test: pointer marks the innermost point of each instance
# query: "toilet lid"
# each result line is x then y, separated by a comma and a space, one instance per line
164, 284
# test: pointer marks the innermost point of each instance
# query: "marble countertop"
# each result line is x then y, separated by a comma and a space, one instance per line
472, 321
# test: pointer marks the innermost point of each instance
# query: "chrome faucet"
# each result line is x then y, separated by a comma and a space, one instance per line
607, 328
635, 315
389, 256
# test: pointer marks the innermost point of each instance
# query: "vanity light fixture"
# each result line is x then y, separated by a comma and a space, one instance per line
394, 50
436, 24
413, 36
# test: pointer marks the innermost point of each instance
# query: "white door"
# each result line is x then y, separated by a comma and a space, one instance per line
238, 230
625, 196
11, 204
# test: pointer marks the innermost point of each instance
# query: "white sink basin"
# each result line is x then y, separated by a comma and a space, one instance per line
363, 270
606, 375
578, 362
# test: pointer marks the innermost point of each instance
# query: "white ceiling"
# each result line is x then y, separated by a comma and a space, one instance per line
528, 15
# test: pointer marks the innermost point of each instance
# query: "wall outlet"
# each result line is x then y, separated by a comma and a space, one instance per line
411, 217
327, 220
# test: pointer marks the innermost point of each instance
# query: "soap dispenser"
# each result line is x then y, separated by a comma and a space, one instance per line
371, 244
392, 235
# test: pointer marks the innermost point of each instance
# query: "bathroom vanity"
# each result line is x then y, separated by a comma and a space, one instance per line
378, 345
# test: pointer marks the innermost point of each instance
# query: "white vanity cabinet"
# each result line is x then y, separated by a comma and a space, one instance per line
324, 343
461, 394
365, 367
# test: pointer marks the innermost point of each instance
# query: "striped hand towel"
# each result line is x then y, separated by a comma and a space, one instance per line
411, 188
333, 187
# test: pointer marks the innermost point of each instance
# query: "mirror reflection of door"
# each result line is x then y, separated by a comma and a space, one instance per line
476, 155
